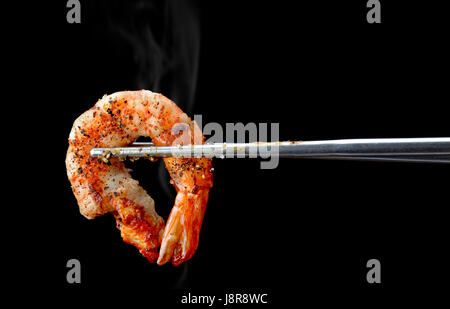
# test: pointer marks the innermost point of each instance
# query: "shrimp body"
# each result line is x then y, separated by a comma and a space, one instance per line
105, 185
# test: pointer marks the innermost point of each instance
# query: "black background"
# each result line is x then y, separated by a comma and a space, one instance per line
303, 231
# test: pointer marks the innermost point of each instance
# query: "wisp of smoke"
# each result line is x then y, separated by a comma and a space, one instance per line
165, 40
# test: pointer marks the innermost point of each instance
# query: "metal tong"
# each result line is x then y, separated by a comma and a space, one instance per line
422, 150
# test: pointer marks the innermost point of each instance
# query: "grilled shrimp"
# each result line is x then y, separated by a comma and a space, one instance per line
105, 185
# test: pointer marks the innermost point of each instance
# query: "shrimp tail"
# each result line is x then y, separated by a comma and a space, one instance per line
182, 232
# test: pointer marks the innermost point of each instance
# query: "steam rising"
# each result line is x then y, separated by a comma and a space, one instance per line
165, 40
